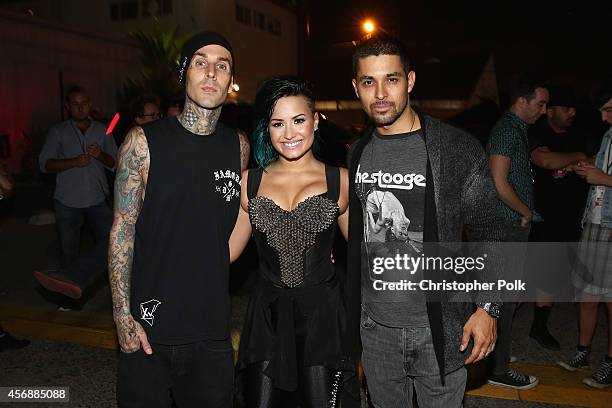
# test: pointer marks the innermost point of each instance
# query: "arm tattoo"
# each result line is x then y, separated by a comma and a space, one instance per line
130, 183
245, 150
198, 120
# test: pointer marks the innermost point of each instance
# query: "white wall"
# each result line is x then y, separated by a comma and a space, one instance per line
259, 54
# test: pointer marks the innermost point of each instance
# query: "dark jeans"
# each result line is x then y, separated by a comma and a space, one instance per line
83, 268
197, 374
397, 359
501, 354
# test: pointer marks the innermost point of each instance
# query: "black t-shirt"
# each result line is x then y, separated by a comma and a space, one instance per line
390, 182
180, 276
559, 196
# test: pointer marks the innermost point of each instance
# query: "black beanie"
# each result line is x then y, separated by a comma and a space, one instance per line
195, 43
561, 96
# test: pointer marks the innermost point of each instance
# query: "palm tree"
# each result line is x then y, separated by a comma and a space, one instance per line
159, 55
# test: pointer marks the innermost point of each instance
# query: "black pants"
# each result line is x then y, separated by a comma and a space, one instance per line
314, 388
503, 348
190, 375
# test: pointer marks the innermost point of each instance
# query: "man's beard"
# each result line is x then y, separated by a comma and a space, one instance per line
382, 120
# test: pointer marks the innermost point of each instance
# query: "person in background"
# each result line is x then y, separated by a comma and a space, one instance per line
555, 143
145, 109
508, 150
175, 106
596, 287
79, 152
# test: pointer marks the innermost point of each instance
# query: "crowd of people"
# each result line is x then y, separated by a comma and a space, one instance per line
186, 204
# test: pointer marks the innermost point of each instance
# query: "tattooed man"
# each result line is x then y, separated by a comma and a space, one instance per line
176, 202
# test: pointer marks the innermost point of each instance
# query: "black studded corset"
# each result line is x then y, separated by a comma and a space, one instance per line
292, 233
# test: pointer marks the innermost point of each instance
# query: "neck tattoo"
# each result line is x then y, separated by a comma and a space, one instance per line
198, 120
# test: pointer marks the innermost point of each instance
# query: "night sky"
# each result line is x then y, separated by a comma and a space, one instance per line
564, 42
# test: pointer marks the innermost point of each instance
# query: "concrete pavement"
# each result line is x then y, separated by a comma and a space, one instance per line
28, 310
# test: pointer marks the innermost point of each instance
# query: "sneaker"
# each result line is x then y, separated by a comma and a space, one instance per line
580, 359
544, 338
513, 379
602, 377
58, 282
8, 342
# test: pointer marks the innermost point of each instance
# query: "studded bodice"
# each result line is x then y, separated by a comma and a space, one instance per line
291, 233
294, 246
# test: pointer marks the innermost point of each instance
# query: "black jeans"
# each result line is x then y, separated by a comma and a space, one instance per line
192, 375
501, 355
83, 268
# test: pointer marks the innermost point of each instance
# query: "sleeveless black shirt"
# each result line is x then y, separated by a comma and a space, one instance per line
180, 277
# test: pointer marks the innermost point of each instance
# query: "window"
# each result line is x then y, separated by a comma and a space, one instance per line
151, 8
243, 14
129, 10
258, 20
166, 6
274, 26
124, 10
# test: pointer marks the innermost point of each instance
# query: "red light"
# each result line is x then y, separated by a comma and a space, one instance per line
113, 123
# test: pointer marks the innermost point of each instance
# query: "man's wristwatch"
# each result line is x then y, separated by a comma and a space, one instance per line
493, 309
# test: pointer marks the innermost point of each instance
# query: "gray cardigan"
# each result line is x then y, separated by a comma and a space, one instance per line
459, 193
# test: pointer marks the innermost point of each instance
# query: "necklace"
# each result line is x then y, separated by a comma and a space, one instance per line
382, 200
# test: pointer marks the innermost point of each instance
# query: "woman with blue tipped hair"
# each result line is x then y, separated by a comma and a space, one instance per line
291, 347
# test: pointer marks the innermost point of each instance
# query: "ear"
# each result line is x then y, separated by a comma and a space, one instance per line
411, 80
354, 81
138, 121
316, 121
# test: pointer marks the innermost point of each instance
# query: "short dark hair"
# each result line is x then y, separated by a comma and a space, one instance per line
138, 104
380, 45
73, 90
525, 87
603, 93
176, 101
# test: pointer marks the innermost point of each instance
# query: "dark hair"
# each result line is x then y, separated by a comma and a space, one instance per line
380, 45
176, 101
138, 104
73, 90
268, 93
603, 93
525, 87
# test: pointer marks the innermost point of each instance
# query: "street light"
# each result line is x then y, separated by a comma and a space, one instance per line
369, 28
